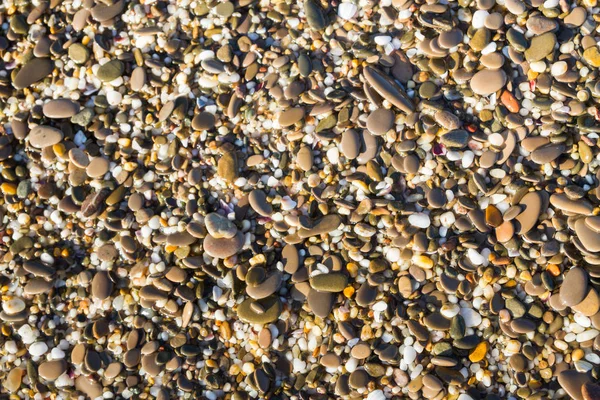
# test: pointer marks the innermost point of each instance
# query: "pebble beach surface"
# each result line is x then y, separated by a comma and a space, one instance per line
273, 199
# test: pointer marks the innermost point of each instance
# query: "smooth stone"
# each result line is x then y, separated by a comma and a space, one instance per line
219, 226
366, 294
97, 167
540, 47
492, 60
350, 144
51, 370
531, 204
518, 362
12, 381
488, 81
593, 223
450, 39
332, 282
589, 238
359, 379
447, 120
330, 360
37, 286
102, 285
576, 17
523, 325
150, 364
270, 307
88, 386
562, 202
538, 24
203, 121
315, 15
516, 7
304, 158
480, 39
290, 259
138, 80
223, 247
590, 391
457, 138
328, 223
102, 12
380, 121
321, 303
547, 153
388, 89
590, 304
291, 116
267, 287
369, 149
574, 286
110, 71
43, 136
34, 71
436, 321
80, 18
228, 167
436, 198
259, 203
79, 53
572, 382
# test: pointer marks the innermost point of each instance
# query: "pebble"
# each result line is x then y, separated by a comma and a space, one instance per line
486, 82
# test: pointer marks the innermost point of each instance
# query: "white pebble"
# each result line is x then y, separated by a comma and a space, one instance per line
558, 68
538, 66
409, 355
420, 220
479, 17
37, 349
587, 335
347, 10
471, 317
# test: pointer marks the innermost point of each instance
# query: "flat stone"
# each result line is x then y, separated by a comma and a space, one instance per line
380, 121
540, 47
328, 223
330, 360
102, 285
50, 370
138, 80
321, 303
305, 158
531, 204
574, 287
547, 153
457, 138
350, 144
562, 202
228, 167
366, 294
488, 81
34, 71
388, 89
102, 12
572, 382
523, 325
223, 247
518, 362
270, 309
43, 136
331, 282
291, 116
37, 286
290, 259
592, 56
203, 121
359, 379
538, 24
576, 17
590, 304
589, 238
267, 287
219, 226
97, 167
259, 203
110, 71
89, 387
451, 38
315, 15
79, 53
12, 381
590, 391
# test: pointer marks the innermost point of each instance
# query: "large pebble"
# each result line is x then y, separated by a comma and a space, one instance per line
223, 247
488, 81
